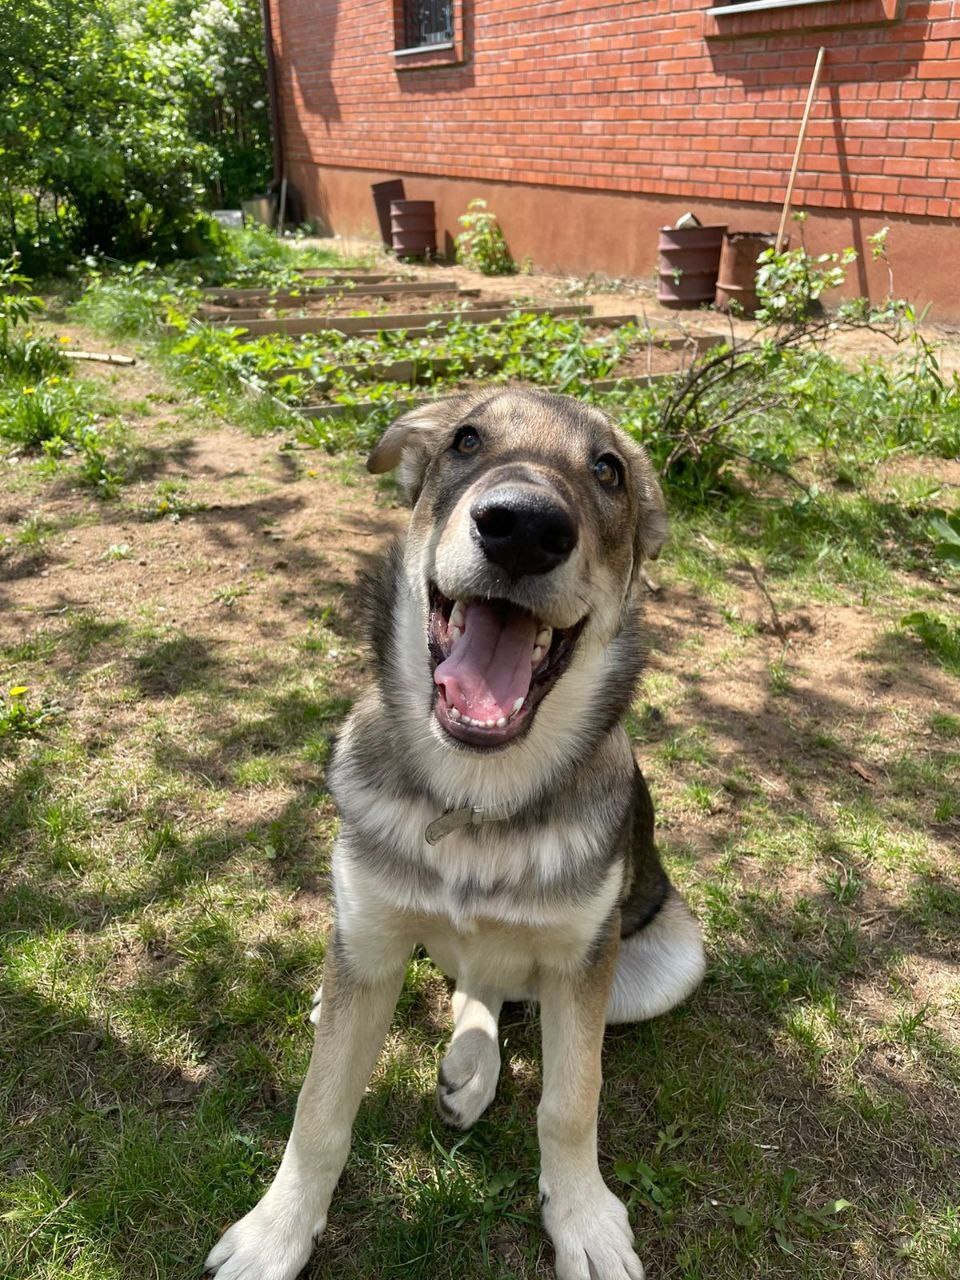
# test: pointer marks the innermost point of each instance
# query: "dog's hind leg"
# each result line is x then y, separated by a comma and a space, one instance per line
658, 965
469, 1072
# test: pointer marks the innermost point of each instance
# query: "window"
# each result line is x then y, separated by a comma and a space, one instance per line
427, 22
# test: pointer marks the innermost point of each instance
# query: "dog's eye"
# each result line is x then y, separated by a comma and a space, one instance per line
609, 471
467, 440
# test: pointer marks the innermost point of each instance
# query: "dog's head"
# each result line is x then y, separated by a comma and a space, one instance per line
531, 515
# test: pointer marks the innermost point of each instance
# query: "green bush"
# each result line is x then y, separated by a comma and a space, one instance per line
44, 414
133, 300
118, 120
24, 355
480, 245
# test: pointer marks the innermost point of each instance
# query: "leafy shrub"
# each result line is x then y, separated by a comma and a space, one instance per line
31, 417
133, 300
117, 118
791, 283
26, 356
480, 245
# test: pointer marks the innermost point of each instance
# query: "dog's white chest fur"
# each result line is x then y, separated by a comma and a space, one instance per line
503, 874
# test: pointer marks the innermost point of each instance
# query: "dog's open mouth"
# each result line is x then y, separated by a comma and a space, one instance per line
494, 662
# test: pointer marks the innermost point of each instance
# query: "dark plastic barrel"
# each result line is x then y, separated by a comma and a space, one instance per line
384, 194
689, 263
413, 228
737, 280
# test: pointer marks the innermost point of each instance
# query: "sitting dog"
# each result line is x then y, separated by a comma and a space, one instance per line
491, 807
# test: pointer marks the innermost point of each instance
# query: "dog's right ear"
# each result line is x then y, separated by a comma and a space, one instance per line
411, 441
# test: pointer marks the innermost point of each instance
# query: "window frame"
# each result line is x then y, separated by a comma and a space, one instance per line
440, 54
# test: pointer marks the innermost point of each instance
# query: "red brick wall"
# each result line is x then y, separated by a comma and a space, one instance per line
644, 96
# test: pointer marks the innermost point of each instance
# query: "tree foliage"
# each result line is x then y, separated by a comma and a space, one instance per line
117, 120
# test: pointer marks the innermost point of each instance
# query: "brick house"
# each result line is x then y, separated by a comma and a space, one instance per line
588, 124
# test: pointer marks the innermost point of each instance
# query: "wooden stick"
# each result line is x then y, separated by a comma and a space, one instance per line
796, 155
104, 357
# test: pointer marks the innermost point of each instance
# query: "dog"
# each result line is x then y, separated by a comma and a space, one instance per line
491, 809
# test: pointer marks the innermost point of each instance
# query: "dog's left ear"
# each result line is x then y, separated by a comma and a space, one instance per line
411, 441
652, 523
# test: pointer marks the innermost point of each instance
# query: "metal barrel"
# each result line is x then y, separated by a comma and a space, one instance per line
737, 280
689, 263
384, 193
413, 228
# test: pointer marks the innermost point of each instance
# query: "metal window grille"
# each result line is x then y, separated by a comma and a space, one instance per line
427, 22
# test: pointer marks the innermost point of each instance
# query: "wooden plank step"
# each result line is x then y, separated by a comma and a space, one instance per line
373, 324
240, 313
358, 289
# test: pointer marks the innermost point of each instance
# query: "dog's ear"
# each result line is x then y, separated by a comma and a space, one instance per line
652, 524
411, 440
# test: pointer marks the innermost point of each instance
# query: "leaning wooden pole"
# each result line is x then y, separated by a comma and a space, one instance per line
785, 213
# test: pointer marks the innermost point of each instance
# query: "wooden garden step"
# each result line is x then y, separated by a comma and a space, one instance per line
241, 314
355, 289
373, 324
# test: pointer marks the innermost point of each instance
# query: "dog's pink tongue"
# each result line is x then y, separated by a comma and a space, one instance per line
489, 666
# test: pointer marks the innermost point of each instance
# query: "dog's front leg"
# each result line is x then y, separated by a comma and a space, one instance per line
274, 1240
587, 1223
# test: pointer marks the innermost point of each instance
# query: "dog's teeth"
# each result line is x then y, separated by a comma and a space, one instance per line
456, 633
536, 655
458, 616
491, 724
544, 637
501, 722
516, 706
453, 713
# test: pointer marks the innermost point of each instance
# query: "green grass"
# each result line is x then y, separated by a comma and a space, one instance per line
165, 835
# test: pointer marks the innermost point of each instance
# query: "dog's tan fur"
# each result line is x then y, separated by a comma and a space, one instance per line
564, 901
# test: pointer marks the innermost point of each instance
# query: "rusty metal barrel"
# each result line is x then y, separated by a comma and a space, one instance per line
413, 228
384, 193
737, 280
689, 263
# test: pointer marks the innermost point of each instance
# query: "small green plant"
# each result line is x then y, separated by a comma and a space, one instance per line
23, 355
791, 283
43, 414
117, 551
228, 596
946, 537
134, 300
171, 501
481, 244
660, 1184
19, 721
940, 636
789, 1221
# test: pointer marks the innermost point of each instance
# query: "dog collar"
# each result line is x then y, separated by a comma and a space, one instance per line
469, 816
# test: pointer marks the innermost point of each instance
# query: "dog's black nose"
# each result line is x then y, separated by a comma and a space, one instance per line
523, 528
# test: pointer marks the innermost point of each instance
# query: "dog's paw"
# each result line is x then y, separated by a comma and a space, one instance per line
315, 1006
591, 1237
265, 1245
468, 1078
